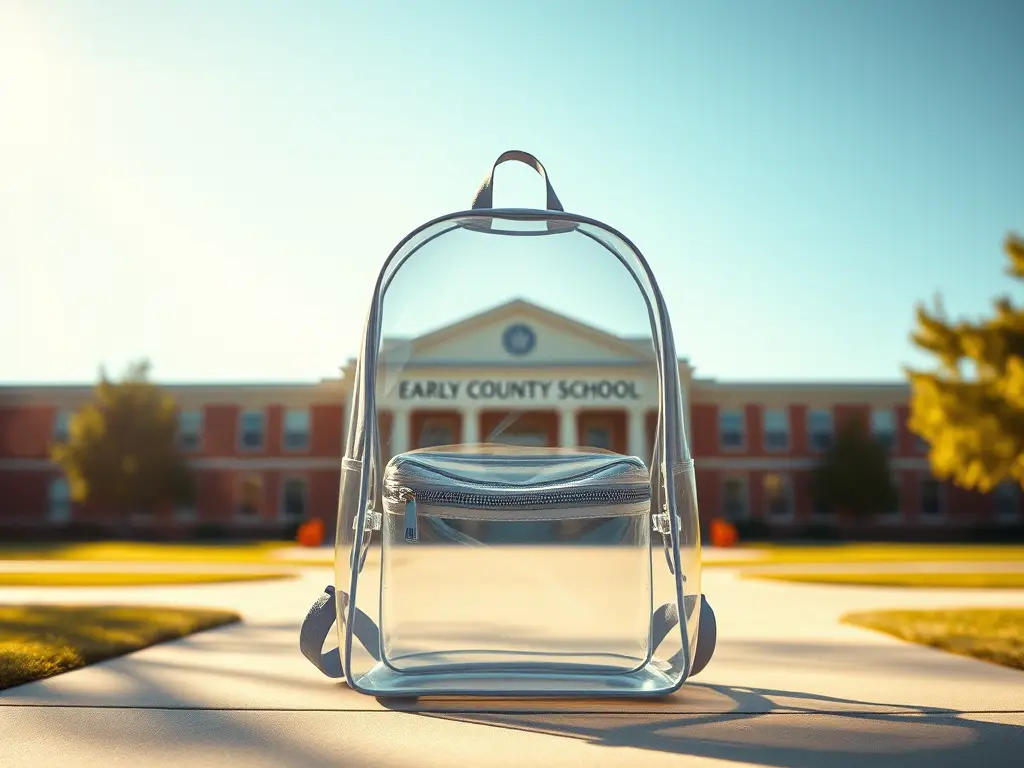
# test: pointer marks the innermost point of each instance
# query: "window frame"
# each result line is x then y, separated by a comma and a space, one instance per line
198, 432
890, 437
743, 481
65, 517
285, 432
811, 432
722, 414
60, 430
242, 447
598, 427
787, 484
239, 501
283, 496
766, 430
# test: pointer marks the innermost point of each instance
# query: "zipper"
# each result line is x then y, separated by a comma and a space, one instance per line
411, 523
582, 475
472, 499
477, 500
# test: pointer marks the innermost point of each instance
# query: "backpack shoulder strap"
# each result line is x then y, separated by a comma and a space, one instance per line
315, 629
317, 626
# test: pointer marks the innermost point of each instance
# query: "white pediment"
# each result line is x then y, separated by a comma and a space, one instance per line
520, 333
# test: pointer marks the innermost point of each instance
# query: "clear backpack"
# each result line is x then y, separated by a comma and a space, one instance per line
518, 510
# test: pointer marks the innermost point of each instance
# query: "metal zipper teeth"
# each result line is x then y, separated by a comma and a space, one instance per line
550, 498
632, 469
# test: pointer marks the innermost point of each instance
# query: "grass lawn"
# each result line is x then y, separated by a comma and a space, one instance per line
874, 553
990, 634
133, 551
270, 552
120, 579
157, 552
982, 580
38, 641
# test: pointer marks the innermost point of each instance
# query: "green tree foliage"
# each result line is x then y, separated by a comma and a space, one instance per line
121, 452
970, 410
854, 476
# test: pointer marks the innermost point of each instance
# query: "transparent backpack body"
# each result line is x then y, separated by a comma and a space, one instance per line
518, 512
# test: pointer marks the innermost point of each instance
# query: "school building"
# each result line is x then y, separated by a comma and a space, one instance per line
266, 456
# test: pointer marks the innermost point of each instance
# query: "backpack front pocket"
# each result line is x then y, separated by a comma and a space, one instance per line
541, 573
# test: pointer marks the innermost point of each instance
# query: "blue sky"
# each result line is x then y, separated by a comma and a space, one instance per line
214, 185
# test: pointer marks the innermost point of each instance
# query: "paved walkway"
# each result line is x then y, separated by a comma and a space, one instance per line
789, 686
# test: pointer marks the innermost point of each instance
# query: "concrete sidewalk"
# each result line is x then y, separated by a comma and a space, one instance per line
788, 686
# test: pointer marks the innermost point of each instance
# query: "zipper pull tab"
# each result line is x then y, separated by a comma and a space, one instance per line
411, 526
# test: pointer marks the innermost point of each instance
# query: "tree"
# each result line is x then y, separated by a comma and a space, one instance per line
121, 451
970, 410
854, 475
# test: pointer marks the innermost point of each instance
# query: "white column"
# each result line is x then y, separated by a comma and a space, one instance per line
567, 435
471, 425
637, 431
399, 431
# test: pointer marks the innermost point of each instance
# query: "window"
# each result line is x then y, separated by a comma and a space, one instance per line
778, 496
735, 499
819, 427
251, 436
250, 500
293, 499
436, 431
296, 430
61, 419
920, 444
931, 498
184, 514
730, 429
598, 437
883, 426
896, 510
776, 429
536, 439
1006, 498
190, 430
59, 510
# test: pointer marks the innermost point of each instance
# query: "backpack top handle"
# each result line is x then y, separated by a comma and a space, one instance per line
484, 198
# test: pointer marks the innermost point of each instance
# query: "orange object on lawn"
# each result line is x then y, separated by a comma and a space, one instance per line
723, 533
311, 533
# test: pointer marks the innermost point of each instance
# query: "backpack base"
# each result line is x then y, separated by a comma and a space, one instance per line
648, 681
384, 682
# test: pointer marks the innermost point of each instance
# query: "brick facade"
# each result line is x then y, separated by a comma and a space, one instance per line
267, 456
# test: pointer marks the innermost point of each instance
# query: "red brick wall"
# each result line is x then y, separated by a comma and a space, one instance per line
709, 492
798, 430
25, 433
220, 430
215, 495
704, 418
273, 442
23, 496
844, 414
326, 431
905, 439
323, 494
